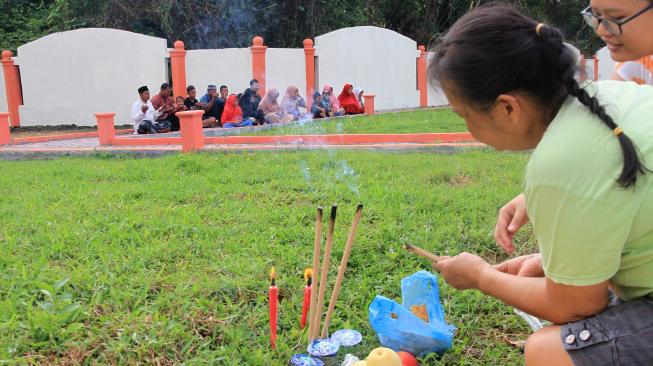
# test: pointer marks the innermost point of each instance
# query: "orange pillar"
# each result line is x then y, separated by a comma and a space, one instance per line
596, 67
106, 127
12, 85
5, 134
309, 52
191, 130
258, 62
178, 67
369, 104
421, 78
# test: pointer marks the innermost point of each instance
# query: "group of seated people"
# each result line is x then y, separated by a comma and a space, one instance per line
159, 114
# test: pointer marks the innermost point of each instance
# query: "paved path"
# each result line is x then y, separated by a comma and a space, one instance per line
90, 146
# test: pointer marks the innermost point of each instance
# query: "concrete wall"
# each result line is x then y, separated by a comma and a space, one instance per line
230, 66
435, 93
285, 67
67, 77
3, 93
606, 64
380, 61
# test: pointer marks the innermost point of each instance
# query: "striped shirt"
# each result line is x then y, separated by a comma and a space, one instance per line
639, 71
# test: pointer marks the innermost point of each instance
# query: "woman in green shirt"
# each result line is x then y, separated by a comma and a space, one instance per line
587, 189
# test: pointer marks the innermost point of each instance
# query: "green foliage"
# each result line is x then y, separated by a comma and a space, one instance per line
222, 23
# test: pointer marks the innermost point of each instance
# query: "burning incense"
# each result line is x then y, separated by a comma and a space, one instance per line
308, 273
313, 321
341, 270
325, 271
422, 253
274, 296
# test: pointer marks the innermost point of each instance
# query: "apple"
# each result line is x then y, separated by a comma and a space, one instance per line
407, 359
383, 357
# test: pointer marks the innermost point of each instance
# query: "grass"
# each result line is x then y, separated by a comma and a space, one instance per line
418, 121
165, 261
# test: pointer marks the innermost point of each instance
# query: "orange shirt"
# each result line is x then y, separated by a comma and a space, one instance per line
639, 71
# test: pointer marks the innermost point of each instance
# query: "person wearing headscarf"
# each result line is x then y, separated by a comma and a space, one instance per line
330, 102
271, 110
348, 100
232, 116
317, 109
292, 101
358, 92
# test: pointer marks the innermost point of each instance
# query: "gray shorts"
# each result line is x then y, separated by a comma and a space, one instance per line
620, 335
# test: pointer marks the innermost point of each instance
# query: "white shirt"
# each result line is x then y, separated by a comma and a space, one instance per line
139, 116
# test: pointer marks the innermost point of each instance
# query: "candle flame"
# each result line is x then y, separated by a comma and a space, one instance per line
273, 274
308, 274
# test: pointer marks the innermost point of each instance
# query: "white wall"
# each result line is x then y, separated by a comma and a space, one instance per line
285, 67
606, 64
380, 61
436, 96
3, 93
230, 66
69, 76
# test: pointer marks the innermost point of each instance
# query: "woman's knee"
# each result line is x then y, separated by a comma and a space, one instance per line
544, 347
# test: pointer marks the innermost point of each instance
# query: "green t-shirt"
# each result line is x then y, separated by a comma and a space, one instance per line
589, 229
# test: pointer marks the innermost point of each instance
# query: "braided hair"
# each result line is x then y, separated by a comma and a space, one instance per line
494, 50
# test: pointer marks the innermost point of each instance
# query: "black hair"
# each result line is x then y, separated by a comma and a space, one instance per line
253, 81
494, 49
143, 89
165, 86
189, 88
223, 87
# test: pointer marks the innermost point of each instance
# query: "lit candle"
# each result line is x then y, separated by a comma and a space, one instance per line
308, 277
274, 295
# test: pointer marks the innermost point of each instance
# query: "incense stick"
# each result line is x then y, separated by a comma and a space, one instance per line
325, 271
316, 270
341, 270
422, 253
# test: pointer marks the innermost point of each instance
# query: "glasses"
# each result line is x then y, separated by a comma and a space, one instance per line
614, 27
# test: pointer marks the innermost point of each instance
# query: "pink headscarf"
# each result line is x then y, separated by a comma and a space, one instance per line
269, 104
333, 101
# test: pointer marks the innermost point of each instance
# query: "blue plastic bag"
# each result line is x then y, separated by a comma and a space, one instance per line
401, 330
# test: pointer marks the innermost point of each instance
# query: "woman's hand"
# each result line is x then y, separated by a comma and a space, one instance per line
524, 266
463, 271
511, 218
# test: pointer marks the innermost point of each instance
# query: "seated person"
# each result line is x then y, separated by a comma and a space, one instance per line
358, 92
317, 109
330, 102
249, 102
164, 101
192, 104
232, 116
144, 115
292, 101
271, 110
213, 105
348, 100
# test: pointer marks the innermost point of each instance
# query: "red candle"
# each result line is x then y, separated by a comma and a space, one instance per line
308, 277
274, 296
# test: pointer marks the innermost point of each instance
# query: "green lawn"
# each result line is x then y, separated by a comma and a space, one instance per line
418, 121
126, 261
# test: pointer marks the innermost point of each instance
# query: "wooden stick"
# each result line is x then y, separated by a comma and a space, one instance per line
325, 271
316, 271
422, 253
341, 270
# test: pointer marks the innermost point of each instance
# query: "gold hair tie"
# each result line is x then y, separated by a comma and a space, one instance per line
618, 131
538, 29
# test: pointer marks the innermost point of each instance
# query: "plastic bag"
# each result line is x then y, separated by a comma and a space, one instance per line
400, 329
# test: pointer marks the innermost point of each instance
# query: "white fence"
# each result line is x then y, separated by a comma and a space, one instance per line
67, 77
380, 61
3, 94
286, 67
230, 66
